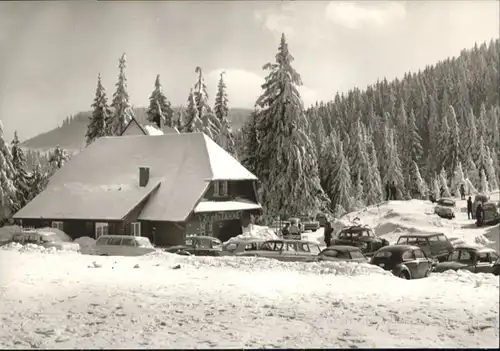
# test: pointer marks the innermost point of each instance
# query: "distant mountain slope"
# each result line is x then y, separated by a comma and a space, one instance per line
71, 136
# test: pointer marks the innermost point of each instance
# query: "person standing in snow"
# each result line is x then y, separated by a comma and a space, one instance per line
479, 215
469, 208
393, 191
387, 191
328, 233
462, 191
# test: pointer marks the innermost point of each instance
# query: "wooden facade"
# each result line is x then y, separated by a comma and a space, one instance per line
223, 224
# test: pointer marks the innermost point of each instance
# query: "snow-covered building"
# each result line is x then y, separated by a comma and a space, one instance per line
164, 187
135, 128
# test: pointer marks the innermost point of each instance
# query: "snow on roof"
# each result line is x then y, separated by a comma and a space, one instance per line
102, 181
221, 206
224, 166
151, 130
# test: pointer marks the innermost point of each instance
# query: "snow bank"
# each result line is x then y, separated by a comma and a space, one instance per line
255, 232
87, 244
7, 232
62, 247
252, 264
68, 301
394, 218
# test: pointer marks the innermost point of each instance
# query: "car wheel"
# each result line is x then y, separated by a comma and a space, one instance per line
404, 275
427, 273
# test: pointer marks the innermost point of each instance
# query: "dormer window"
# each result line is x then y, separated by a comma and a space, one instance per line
220, 188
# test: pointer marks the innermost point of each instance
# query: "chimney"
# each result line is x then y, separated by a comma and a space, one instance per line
143, 176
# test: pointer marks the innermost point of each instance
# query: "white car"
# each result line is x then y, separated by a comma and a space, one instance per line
122, 245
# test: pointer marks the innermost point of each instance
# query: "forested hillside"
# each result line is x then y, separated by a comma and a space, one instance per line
425, 133
70, 135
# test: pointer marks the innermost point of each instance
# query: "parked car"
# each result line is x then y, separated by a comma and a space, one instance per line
309, 223
122, 245
198, 246
287, 250
474, 258
238, 247
45, 239
404, 261
491, 213
479, 198
341, 253
360, 236
445, 208
434, 245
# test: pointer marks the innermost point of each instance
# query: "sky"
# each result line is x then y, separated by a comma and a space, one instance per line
52, 52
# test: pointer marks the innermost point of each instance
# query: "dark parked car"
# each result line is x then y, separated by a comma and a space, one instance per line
286, 250
340, 253
362, 237
238, 247
404, 261
491, 213
445, 208
198, 246
434, 245
474, 258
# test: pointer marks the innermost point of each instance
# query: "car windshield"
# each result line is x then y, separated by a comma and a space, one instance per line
464, 256
188, 242
142, 241
416, 240
356, 255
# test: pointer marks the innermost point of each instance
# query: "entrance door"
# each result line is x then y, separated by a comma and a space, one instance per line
224, 230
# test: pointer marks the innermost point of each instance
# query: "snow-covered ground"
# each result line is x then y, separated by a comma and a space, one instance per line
68, 300
393, 218
58, 299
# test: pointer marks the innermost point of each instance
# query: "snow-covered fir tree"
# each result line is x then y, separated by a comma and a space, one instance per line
221, 108
326, 162
358, 194
482, 159
159, 108
210, 125
343, 201
457, 180
443, 183
469, 144
436, 189
58, 158
472, 172
490, 171
8, 194
21, 177
357, 154
374, 192
484, 186
288, 173
101, 113
250, 142
200, 93
192, 121
121, 102
394, 173
454, 153
38, 181
418, 187
226, 137
433, 127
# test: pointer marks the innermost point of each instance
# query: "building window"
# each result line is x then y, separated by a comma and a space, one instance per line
135, 228
101, 229
58, 225
220, 188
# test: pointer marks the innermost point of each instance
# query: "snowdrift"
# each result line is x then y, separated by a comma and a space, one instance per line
7, 232
87, 244
393, 218
255, 232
